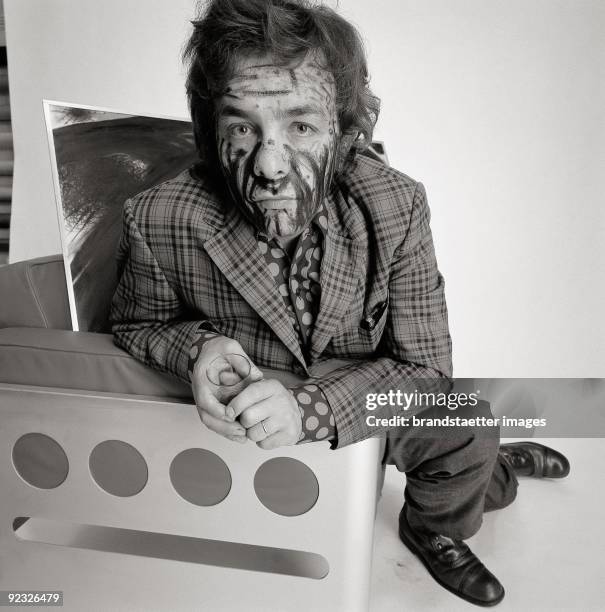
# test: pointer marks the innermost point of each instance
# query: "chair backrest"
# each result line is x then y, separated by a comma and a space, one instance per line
34, 294
131, 504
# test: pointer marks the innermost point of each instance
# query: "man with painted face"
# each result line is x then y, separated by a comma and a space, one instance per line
277, 130
287, 245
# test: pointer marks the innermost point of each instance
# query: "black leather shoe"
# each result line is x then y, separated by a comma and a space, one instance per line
533, 459
452, 564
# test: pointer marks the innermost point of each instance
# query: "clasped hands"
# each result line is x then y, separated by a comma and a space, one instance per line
264, 411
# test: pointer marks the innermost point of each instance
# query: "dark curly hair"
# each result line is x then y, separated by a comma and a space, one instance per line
287, 30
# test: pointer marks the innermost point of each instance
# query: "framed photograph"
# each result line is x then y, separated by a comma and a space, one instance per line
100, 158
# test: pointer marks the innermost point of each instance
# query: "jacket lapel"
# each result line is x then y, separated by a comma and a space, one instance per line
340, 269
235, 252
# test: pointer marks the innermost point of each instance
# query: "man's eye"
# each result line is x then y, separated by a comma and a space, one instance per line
302, 129
240, 131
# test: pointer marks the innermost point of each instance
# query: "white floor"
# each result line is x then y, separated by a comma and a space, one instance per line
547, 548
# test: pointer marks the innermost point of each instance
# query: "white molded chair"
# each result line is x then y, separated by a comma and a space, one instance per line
154, 550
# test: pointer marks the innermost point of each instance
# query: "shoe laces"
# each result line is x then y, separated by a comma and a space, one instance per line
450, 551
518, 458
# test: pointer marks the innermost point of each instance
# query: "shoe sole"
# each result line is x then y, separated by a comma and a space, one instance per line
478, 602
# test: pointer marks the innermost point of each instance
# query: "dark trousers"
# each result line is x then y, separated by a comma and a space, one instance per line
453, 474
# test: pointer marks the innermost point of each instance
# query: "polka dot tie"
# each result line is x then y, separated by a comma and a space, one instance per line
297, 280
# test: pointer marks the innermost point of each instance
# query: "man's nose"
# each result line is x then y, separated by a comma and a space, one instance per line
272, 160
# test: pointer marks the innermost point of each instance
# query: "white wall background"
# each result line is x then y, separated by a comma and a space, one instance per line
497, 106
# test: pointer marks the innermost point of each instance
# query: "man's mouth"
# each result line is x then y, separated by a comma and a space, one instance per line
276, 203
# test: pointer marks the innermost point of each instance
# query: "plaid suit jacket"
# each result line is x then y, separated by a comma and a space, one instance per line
186, 256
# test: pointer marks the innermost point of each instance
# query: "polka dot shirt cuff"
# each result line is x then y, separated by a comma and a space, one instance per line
201, 337
317, 418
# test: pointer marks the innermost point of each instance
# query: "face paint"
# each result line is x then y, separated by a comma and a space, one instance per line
277, 134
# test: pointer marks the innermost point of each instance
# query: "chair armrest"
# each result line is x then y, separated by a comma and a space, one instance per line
87, 361
34, 294
79, 360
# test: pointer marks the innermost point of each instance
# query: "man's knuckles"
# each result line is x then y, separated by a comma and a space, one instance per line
252, 394
256, 433
249, 417
272, 442
267, 444
213, 348
219, 426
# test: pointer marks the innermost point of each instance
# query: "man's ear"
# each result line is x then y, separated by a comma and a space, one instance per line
343, 151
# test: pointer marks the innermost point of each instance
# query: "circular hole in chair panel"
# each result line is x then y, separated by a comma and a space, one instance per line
286, 486
118, 468
200, 476
40, 461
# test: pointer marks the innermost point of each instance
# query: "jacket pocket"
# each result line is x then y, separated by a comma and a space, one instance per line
372, 325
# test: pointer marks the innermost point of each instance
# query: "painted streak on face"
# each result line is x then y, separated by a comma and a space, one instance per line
277, 135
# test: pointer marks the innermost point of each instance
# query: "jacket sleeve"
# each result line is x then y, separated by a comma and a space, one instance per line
148, 318
415, 348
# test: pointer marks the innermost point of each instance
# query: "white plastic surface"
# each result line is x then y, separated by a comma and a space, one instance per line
339, 527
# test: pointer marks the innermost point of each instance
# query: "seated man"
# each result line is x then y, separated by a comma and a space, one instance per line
286, 245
